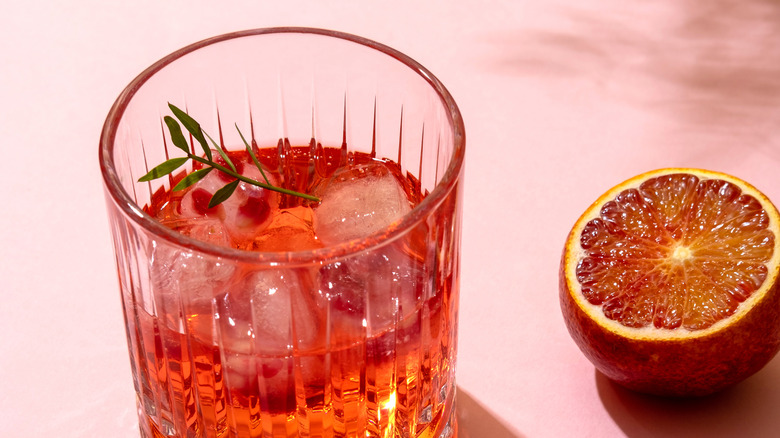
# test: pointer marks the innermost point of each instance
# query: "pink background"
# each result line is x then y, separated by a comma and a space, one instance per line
560, 101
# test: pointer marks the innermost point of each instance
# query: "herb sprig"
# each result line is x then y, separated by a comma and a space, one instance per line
193, 127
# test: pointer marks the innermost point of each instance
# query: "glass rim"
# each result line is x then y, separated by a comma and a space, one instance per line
135, 212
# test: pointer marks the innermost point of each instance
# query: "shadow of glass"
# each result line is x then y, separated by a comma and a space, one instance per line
745, 410
475, 421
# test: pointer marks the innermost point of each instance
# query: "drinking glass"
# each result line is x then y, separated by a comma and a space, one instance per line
353, 339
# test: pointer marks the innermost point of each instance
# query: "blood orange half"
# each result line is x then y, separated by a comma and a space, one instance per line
669, 282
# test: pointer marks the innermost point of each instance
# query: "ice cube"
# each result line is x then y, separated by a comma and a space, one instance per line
269, 313
262, 321
245, 214
185, 282
290, 230
357, 202
251, 208
375, 288
205, 229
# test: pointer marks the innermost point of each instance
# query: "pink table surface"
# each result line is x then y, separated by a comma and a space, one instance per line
560, 103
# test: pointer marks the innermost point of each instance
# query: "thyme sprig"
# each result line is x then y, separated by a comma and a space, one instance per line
193, 127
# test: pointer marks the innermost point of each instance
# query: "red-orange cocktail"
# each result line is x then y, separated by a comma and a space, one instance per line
269, 315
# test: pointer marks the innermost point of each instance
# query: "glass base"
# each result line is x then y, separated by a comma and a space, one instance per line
150, 430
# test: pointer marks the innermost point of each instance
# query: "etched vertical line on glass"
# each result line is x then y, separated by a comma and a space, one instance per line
284, 148
344, 149
247, 117
301, 411
330, 421
438, 157
209, 384
311, 169
317, 158
252, 135
319, 351
189, 394
400, 138
437, 319
267, 396
165, 152
422, 160
256, 395
145, 316
193, 148
171, 342
454, 277
373, 132
423, 413
340, 394
195, 419
132, 327
313, 115
313, 107
446, 245
219, 128
368, 371
251, 363
162, 395
201, 417
312, 158
221, 317
132, 176
268, 369
399, 322
423, 409
328, 424
406, 369
420, 408
122, 266
281, 109
360, 395
383, 343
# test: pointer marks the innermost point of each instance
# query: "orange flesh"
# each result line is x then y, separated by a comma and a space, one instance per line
676, 252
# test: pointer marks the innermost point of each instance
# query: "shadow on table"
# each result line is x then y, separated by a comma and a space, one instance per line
745, 410
708, 65
476, 421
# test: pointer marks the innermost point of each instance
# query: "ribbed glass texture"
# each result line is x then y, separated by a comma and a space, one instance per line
230, 343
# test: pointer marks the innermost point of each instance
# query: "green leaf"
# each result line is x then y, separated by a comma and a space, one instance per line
222, 194
164, 169
176, 136
221, 152
192, 127
181, 142
252, 154
192, 178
